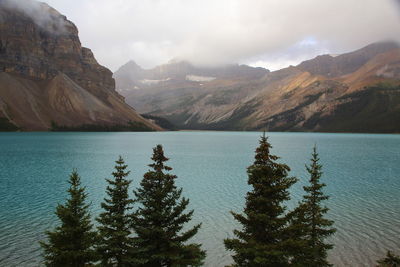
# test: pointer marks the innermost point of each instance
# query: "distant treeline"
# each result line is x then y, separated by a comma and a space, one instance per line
163, 122
372, 110
150, 229
129, 127
7, 126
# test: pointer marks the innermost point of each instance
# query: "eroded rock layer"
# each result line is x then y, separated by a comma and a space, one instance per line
47, 76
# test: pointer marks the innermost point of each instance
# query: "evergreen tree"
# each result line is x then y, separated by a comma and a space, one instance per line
308, 221
71, 243
160, 218
264, 241
391, 260
115, 243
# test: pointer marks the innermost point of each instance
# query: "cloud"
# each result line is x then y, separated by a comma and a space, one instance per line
210, 32
303, 50
44, 16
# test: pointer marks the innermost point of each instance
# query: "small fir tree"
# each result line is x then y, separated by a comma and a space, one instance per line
263, 241
390, 260
309, 222
71, 243
115, 244
160, 218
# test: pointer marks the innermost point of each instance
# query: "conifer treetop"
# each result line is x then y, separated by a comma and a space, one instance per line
159, 159
263, 155
120, 168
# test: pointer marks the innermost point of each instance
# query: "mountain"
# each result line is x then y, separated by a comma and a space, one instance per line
352, 92
47, 77
179, 74
330, 66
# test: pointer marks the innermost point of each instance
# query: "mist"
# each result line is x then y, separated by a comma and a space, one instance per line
41, 14
268, 33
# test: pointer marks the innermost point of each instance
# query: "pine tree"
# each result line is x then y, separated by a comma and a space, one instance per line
309, 221
115, 243
160, 218
263, 241
390, 260
71, 243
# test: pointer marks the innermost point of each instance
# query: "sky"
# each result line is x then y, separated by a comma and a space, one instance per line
267, 33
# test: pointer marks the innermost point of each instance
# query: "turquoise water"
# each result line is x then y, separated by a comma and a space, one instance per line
362, 172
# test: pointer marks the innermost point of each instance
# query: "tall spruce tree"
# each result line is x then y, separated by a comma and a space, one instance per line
160, 218
115, 244
310, 226
71, 243
263, 241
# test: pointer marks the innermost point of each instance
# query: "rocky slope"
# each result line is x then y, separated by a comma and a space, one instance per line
47, 76
352, 92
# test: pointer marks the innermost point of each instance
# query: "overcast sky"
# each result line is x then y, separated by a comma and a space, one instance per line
267, 33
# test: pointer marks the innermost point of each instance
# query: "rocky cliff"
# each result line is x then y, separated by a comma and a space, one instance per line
353, 92
46, 75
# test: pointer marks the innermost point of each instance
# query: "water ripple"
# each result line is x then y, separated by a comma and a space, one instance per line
361, 172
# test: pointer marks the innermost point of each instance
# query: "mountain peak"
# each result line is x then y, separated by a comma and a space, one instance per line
130, 65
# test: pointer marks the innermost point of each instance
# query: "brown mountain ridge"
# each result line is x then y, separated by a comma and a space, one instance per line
353, 92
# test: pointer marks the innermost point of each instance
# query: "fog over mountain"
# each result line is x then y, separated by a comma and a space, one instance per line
267, 33
50, 21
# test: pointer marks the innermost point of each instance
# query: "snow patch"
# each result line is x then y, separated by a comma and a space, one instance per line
152, 82
195, 78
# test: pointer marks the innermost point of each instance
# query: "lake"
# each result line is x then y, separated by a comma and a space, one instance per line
362, 173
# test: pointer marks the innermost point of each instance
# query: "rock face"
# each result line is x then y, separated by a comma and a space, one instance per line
46, 75
352, 92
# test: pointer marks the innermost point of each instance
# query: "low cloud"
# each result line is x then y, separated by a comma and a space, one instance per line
210, 32
43, 15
